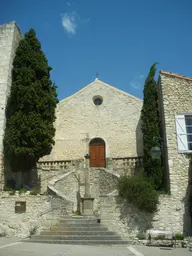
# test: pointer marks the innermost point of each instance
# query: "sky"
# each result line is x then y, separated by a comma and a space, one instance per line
119, 40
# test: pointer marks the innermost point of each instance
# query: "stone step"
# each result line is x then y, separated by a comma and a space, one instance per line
74, 233
72, 225
77, 221
80, 229
82, 242
81, 217
75, 237
86, 217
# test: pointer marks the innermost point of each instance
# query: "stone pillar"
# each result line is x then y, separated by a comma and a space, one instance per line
87, 205
87, 183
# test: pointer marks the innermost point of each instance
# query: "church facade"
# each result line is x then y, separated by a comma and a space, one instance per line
100, 122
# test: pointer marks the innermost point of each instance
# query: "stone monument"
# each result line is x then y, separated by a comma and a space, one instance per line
87, 200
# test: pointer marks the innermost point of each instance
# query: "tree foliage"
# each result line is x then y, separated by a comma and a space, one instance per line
151, 127
30, 111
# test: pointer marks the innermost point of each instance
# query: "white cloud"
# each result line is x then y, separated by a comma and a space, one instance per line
68, 3
69, 22
135, 84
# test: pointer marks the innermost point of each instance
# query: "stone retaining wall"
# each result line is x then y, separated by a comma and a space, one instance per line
41, 211
127, 220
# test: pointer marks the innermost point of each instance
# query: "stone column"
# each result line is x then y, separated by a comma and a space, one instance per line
87, 183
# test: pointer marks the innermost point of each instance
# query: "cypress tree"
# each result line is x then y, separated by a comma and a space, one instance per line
151, 128
30, 111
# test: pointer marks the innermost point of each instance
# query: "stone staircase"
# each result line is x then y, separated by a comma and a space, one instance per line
78, 230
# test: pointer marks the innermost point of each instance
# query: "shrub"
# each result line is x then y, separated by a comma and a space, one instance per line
159, 237
10, 190
33, 230
77, 213
34, 192
179, 236
141, 235
139, 192
22, 190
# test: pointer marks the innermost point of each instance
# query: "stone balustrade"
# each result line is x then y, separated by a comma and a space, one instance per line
127, 165
128, 161
59, 164
118, 162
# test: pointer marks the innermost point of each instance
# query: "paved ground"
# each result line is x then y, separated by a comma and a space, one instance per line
13, 247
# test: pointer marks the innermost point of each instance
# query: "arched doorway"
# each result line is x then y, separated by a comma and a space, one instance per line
97, 152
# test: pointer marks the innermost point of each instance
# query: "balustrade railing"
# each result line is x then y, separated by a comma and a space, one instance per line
123, 162
136, 161
58, 164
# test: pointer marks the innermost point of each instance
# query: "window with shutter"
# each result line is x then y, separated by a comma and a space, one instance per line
184, 132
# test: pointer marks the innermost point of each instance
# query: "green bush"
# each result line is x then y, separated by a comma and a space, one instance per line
77, 213
159, 237
22, 190
34, 191
179, 236
139, 192
141, 235
10, 190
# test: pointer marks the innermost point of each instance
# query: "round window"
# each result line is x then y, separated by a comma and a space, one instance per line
97, 100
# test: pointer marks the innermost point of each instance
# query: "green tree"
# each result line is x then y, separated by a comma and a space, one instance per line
30, 111
151, 128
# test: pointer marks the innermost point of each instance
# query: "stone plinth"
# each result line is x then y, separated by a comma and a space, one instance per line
87, 205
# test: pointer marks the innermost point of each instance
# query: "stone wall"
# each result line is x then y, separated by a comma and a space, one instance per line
44, 176
10, 36
128, 221
123, 219
102, 182
41, 211
175, 95
116, 121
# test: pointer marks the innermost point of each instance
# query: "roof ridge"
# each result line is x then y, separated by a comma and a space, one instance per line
101, 82
175, 75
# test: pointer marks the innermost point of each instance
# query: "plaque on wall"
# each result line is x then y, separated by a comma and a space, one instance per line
20, 206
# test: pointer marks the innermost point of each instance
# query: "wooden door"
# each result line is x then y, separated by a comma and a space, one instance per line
97, 155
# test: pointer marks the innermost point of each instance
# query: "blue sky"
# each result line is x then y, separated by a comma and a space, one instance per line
118, 39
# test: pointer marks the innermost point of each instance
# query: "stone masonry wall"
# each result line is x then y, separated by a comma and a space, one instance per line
175, 98
116, 121
41, 211
128, 221
101, 183
123, 219
10, 36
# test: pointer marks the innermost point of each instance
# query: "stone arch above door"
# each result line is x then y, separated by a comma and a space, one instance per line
97, 153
